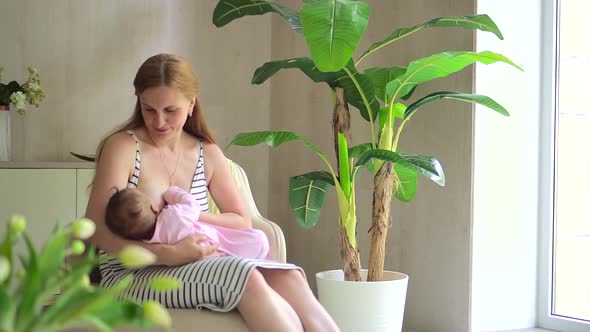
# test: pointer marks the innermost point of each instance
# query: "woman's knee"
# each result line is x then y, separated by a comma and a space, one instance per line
256, 284
290, 277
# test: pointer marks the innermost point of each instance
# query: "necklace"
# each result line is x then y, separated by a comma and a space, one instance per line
171, 175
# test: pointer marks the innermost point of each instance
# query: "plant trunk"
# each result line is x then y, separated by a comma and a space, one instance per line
350, 257
382, 195
341, 124
340, 120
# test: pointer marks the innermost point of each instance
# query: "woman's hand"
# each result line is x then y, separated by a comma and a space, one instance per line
188, 250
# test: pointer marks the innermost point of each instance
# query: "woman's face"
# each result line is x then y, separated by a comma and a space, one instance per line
164, 111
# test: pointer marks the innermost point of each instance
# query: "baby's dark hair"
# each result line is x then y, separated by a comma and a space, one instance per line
125, 216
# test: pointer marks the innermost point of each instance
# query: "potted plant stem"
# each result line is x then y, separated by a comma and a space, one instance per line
332, 30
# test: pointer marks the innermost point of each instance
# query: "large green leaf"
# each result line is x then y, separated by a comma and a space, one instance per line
307, 194
359, 91
306, 65
440, 65
480, 22
407, 178
425, 165
358, 88
358, 150
428, 166
472, 98
380, 76
333, 29
274, 139
229, 10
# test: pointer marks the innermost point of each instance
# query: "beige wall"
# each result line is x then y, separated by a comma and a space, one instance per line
87, 53
430, 238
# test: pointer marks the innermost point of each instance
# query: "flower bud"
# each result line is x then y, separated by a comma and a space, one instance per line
83, 228
133, 256
157, 314
77, 247
17, 224
164, 283
85, 281
4, 268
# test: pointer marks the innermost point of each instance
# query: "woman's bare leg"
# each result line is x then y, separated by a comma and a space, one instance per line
265, 310
292, 286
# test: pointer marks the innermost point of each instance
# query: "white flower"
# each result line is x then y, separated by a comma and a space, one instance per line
135, 256
83, 228
19, 95
19, 100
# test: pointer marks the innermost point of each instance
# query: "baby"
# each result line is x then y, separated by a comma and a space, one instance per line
131, 214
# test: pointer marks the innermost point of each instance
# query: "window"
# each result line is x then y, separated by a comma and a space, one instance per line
565, 217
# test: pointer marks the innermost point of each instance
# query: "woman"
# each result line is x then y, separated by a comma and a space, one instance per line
160, 146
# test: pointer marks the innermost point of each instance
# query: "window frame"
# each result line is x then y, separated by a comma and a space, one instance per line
549, 99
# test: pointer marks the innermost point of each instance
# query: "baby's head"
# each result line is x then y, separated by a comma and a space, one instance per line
130, 214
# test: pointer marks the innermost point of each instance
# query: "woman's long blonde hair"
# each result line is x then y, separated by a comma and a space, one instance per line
172, 71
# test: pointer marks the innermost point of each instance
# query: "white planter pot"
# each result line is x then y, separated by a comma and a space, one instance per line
4, 133
364, 306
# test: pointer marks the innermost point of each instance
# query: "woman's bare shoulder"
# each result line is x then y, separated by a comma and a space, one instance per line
119, 143
119, 149
214, 159
213, 153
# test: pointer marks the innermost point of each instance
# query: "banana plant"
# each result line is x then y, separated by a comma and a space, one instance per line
332, 30
308, 192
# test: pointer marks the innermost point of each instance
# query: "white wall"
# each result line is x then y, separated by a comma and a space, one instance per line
88, 52
505, 170
429, 239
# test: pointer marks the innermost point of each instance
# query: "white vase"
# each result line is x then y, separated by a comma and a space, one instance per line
364, 306
4, 133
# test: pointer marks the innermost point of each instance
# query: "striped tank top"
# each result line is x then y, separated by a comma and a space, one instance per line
198, 186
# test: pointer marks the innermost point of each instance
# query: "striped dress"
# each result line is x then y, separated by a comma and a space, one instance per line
215, 283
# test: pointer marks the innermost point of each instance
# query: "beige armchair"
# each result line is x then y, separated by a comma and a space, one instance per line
206, 320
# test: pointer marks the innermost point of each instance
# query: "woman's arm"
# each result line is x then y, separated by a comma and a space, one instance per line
113, 170
224, 192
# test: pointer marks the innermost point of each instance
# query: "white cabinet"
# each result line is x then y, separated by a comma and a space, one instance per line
43, 196
83, 179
